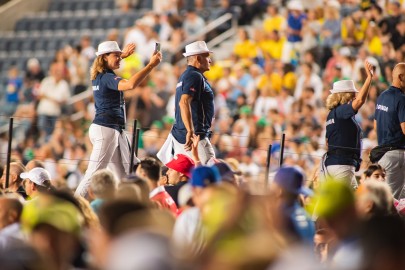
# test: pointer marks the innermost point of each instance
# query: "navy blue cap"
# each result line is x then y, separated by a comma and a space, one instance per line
291, 179
203, 176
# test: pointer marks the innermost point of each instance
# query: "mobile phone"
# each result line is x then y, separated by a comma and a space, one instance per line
157, 47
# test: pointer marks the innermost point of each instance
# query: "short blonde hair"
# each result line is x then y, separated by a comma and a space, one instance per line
337, 99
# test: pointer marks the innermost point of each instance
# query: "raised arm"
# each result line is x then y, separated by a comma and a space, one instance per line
185, 110
138, 77
362, 95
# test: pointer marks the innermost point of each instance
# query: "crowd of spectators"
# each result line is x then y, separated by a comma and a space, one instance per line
284, 60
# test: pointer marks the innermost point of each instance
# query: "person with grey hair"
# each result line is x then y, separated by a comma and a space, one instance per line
374, 198
103, 186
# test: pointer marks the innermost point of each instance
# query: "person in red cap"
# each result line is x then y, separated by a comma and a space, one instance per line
178, 174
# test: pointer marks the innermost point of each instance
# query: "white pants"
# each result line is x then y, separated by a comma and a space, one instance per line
338, 172
172, 147
393, 162
110, 149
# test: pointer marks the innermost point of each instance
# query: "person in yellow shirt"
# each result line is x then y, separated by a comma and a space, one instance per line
244, 47
270, 79
354, 29
373, 40
272, 46
273, 21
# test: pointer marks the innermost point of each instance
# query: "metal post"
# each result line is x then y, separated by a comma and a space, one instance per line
268, 164
137, 140
131, 164
10, 139
282, 149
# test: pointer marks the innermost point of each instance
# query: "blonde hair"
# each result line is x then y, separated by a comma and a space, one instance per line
337, 99
97, 67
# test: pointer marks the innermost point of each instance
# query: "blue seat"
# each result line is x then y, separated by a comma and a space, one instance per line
34, 24
22, 25
59, 24
40, 44
93, 5
56, 6
15, 45
85, 23
72, 23
81, 5
98, 23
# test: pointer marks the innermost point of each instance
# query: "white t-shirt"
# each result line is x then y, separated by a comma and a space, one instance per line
52, 91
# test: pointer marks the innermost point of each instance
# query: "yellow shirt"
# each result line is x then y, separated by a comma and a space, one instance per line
273, 48
245, 49
215, 73
275, 23
289, 80
359, 31
375, 46
274, 81
132, 64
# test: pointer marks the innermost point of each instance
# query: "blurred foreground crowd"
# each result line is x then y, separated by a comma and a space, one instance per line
204, 217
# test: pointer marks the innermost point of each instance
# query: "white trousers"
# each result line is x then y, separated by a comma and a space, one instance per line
338, 172
172, 147
110, 149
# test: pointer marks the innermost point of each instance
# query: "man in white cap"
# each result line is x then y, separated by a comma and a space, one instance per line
194, 108
36, 180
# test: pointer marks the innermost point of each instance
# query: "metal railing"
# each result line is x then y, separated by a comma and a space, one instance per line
210, 27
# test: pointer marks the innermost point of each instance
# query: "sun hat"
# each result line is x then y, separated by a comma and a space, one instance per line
37, 175
198, 47
204, 176
61, 215
332, 197
344, 86
291, 178
107, 47
182, 164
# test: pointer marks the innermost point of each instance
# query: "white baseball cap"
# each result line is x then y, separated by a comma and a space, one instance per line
295, 5
198, 47
37, 175
344, 86
107, 47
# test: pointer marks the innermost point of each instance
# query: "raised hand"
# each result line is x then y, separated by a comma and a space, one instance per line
369, 68
128, 50
156, 59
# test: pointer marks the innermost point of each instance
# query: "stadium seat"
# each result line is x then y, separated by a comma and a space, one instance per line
22, 25
55, 6
81, 5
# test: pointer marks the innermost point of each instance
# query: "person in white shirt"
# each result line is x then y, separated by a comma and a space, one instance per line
54, 91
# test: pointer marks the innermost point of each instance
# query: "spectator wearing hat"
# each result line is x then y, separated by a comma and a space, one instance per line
194, 107
343, 133
389, 122
335, 205
110, 143
35, 181
149, 169
287, 186
179, 173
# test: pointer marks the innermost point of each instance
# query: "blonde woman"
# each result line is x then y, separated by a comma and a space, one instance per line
110, 144
343, 133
